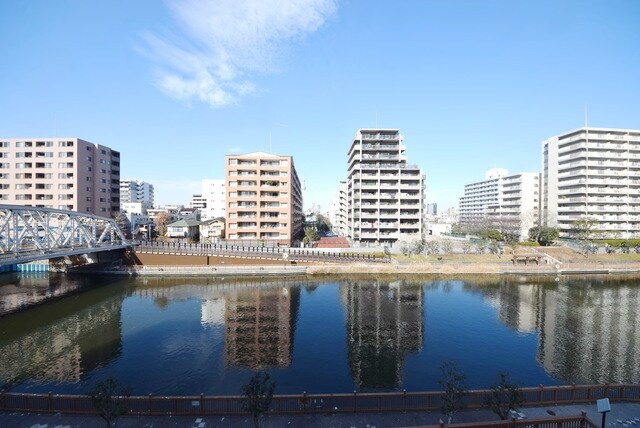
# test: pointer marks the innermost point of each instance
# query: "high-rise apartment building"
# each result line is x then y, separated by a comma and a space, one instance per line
338, 211
477, 196
593, 173
385, 196
61, 173
510, 203
211, 202
137, 191
264, 199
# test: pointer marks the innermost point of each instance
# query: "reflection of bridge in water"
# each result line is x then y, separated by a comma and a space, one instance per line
63, 340
28, 234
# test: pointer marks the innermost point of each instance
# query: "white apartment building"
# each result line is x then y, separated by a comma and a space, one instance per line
211, 202
385, 196
593, 173
477, 196
137, 191
338, 211
510, 203
62, 173
518, 206
136, 213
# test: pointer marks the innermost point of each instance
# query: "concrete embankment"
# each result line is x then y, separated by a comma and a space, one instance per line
408, 268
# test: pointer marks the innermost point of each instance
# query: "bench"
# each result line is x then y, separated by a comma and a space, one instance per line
527, 258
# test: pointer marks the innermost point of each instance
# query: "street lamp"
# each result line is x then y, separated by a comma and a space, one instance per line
603, 407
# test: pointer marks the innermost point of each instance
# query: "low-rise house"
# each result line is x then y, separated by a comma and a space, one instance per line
212, 230
187, 228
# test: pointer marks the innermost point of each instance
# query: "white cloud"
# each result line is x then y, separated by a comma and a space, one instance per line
222, 42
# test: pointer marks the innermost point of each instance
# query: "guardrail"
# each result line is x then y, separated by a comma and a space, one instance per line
314, 403
279, 253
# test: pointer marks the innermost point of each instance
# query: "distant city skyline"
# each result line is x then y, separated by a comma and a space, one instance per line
177, 85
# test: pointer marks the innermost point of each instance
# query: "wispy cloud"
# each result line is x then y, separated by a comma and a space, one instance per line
221, 43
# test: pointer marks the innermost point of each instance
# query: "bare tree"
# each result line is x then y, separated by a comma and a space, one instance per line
447, 246
107, 398
123, 223
161, 220
258, 394
504, 397
586, 230
432, 247
454, 389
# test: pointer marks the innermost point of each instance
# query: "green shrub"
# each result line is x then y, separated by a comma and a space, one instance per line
528, 244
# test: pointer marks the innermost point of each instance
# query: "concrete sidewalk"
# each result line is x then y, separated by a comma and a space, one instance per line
622, 415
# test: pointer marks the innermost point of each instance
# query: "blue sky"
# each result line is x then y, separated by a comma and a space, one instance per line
177, 85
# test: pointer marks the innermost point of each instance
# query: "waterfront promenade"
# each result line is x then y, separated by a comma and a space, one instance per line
622, 415
194, 260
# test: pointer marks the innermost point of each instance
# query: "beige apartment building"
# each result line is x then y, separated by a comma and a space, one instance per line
264, 199
62, 173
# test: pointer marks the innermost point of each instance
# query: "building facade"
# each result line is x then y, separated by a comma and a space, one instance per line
518, 206
211, 202
509, 203
62, 173
137, 191
263, 200
593, 173
385, 195
477, 196
340, 224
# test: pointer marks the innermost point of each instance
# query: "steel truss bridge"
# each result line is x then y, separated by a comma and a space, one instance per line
28, 234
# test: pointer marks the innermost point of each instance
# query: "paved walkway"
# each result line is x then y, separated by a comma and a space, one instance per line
622, 415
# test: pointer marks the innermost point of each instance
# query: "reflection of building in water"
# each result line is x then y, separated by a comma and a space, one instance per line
72, 338
259, 316
517, 305
592, 334
212, 311
260, 325
588, 332
384, 324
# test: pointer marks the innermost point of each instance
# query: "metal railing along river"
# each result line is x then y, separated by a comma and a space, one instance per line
315, 403
267, 252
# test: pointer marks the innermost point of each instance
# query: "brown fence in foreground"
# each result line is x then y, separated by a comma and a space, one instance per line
313, 403
580, 421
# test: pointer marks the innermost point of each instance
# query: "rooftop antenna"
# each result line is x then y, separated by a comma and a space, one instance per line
270, 142
586, 116
376, 120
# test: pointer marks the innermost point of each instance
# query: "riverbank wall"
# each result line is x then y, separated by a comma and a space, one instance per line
418, 268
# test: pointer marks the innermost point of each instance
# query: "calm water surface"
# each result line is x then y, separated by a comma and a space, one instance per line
183, 336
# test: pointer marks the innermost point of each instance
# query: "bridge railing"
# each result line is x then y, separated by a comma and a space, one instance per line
292, 254
315, 403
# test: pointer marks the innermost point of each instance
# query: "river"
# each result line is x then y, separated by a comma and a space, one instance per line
191, 335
